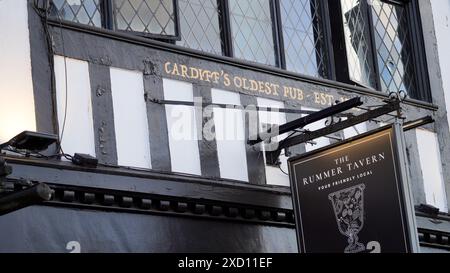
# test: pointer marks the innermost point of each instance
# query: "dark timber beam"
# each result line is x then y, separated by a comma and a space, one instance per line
239, 107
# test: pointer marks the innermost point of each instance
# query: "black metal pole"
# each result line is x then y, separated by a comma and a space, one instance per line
340, 126
302, 122
272, 156
31, 196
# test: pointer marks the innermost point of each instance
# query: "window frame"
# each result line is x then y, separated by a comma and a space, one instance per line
336, 64
328, 64
229, 35
108, 17
422, 88
277, 30
342, 54
327, 72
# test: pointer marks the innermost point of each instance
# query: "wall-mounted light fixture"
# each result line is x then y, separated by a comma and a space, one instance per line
85, 160
31, 141
428, 209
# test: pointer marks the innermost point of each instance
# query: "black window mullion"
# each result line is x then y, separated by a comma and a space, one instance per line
107, 14
338, 44
327, 39
320, 38
176, 14
369, 20
278, 34
422, 90
225, 27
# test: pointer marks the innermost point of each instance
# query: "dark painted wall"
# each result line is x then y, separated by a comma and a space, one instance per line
46, 229
103, 211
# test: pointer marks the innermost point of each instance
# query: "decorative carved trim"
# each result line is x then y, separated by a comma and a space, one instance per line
104, 60
141, 203
102, 138
434, 239
149, 67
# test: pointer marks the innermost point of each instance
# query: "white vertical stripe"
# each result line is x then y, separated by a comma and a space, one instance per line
274, 176
182, 128
78, 134
130, 118
230, 136
320, 142
430, 161
441, 18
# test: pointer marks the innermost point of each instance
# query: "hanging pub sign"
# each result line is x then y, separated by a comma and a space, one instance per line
353, 197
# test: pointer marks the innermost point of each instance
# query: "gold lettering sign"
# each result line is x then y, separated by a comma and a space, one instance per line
280, 92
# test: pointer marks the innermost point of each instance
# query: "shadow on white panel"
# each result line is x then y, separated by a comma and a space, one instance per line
130, 118
182, 128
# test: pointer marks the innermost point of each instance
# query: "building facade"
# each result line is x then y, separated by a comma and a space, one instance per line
132, 83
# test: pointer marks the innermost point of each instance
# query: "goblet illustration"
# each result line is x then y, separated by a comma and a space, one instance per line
348, 205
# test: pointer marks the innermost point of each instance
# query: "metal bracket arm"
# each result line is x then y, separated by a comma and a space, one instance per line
272, 156
302, 122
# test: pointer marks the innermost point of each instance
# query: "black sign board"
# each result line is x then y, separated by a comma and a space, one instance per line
353, 198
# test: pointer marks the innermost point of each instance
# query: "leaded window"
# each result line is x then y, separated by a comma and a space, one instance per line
378, 43
148, 17
358, 43
371, 43
199, 25
86, 12
303, 37
393, 47
252, 30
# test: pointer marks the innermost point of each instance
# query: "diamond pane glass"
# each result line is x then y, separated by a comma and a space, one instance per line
78, 11
199, 25
394, 54
303, 37
251, 27
358, 44
146, 16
